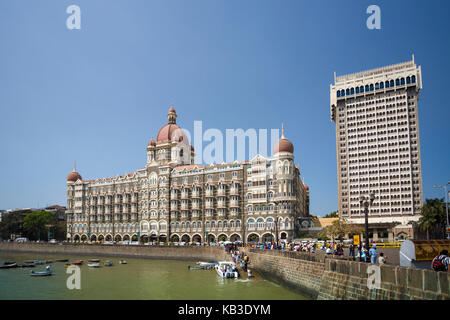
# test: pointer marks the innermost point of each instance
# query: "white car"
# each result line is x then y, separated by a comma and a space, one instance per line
52, 241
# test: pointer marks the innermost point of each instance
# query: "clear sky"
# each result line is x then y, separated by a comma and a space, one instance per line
97, 95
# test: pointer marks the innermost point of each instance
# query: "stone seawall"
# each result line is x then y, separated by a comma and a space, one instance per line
327, 278
319, 276
132, 251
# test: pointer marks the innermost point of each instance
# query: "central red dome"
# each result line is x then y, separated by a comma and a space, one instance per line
166, 132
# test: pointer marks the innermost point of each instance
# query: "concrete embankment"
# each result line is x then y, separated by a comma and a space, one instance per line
326, 278
320, 276
133, 251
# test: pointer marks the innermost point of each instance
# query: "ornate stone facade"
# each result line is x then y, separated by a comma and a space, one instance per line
173, 199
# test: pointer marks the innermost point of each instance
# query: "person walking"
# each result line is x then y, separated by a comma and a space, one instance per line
351, 250
373, 254
381, 259
440, 262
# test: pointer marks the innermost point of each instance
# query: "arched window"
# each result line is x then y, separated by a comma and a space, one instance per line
342, 93
397, 82
231, 224
260, 223
270, 223
408, 80
361, 89
347, 92
387, 83
367, 87
413, 79
338, 93
381, 85
238, 223
213, 224
371, 87
377, 86
402, 81
352, 91
391, 83
357, 89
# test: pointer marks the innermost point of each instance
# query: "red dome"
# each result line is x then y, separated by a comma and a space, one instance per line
74, 176
306, 187
166, 132
283, 145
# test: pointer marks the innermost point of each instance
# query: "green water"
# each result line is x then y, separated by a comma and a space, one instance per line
138, 279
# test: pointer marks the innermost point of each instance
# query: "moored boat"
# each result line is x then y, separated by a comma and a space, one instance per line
9, 266
77, 262
227, 269
206, 264
94, 265
62, 260
8, 262
66, 265
122, 262
94, 260
108, 263
47, 272
28, 265
38, 262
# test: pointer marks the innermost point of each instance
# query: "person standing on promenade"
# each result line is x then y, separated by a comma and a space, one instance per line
351, 250
373, 254
440, 262
381, 259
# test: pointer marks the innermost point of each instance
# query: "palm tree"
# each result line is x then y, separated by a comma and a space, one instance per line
432, 216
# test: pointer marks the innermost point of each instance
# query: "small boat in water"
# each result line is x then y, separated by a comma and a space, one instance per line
28, 265
29, 261
94, 265
47, 272
108, 263
9, 266
207, 264
62, 260
78, 262
8, 262
122, 262
38, 262
48, 261
66, 265
94, 260
227, 269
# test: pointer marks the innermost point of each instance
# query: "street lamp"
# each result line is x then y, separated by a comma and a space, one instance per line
366, 201
446, 202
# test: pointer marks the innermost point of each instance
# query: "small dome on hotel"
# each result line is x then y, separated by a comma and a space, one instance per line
283, 145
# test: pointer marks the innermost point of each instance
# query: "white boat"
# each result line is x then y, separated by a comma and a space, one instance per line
206, 264
227, 269
94, 265
122, 262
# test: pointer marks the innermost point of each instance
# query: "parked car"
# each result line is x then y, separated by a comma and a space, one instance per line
52, 241
21, 240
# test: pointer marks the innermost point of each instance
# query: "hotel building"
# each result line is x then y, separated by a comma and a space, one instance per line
378, 147
173, 199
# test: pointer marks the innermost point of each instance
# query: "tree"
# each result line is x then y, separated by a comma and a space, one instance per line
433, 218
339, 228
12, 223
35, 224
333, 214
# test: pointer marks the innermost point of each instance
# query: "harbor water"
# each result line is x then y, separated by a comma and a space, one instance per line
147, 279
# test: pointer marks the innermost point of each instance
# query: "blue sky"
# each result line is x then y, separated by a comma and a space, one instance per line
98, 94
